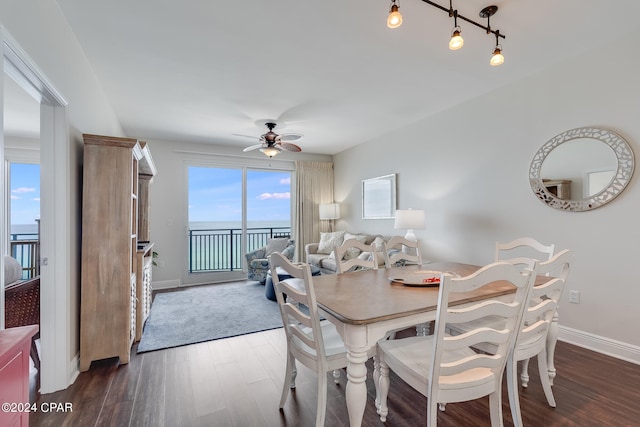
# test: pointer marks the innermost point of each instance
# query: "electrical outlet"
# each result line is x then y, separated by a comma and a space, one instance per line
574, 297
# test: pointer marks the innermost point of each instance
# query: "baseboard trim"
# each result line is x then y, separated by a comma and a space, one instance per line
74, 368
613, 348
166, 284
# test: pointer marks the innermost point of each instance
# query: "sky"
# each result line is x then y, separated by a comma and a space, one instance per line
25, 193
216, 195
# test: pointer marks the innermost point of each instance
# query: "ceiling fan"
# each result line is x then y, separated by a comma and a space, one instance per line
271, 144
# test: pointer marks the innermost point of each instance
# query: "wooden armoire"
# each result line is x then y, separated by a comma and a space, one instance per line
116, 267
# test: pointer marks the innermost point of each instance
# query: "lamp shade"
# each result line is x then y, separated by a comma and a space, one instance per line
329, 211
409, 219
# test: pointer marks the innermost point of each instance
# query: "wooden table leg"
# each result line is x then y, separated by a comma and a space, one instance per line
356, 393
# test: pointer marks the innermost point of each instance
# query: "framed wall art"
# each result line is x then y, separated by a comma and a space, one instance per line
379, 197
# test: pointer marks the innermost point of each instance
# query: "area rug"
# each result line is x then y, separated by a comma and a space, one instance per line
205, 313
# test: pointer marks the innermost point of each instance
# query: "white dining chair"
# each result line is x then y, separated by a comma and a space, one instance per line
347, 256
400, 250
445, 368
532, 338
314, 343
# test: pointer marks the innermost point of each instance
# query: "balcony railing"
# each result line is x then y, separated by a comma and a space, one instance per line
26, 250
221, 249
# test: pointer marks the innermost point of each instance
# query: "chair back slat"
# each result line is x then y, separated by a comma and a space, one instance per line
479, 361
473, 337
520, 250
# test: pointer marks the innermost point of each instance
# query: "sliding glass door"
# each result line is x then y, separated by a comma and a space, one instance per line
232, 211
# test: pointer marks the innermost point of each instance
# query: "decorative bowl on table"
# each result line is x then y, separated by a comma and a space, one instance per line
424, 278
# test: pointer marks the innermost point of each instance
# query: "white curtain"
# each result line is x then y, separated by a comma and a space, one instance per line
314, 186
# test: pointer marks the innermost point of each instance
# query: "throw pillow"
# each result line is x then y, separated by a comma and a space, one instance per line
353, 252
329, 241
276, 245
12, 270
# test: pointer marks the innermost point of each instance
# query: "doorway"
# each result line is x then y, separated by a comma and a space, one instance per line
56, 328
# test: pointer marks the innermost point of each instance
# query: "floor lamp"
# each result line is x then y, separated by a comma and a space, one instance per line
329, 212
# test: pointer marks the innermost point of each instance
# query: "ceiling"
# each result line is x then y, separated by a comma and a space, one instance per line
331, 70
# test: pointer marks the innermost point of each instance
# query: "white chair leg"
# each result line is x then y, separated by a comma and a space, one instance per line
289, 379
544, 378
552, 340
495, 406
422, 329
376, 380
512, 387
322, 399
524, 376
336, 376
432, 412
383, 386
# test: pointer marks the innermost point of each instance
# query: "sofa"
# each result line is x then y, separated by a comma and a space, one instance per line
321, 254
258, 259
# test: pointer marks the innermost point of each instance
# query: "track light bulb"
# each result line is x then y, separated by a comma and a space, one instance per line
394, 20
456, 41
497, 58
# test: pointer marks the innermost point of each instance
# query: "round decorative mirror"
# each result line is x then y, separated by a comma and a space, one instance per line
581, 169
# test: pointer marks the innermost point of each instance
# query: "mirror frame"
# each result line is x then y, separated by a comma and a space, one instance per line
621, 149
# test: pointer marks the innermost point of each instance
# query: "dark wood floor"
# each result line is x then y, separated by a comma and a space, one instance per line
237, 382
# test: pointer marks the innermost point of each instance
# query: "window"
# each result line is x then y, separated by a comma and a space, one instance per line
24, 182
233, 211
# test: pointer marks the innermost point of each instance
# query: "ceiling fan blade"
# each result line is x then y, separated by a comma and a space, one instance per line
245, 136
290, 137
254, 147
289, 147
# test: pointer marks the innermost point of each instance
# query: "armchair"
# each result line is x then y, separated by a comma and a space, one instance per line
258, 262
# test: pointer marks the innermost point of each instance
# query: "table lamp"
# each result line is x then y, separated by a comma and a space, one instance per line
409, 219
329, 212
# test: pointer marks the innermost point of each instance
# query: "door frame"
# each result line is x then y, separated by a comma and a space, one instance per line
229, 162
58, 366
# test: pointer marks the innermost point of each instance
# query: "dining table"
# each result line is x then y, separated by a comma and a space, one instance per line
366, 305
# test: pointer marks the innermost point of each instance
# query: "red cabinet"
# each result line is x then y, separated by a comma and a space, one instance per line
15, 344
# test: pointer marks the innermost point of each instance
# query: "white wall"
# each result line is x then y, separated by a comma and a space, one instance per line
42, 32
468, 168
168, 216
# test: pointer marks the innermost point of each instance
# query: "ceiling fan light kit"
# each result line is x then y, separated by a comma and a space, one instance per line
271, 144
394, 20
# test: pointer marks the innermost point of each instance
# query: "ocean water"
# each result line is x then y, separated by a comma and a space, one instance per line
32, 229
214, 247
24, 231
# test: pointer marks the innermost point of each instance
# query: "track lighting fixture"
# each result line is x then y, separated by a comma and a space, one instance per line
456, 41
394, 20
497, 58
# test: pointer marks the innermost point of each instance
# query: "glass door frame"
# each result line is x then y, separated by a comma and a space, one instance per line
198, 278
